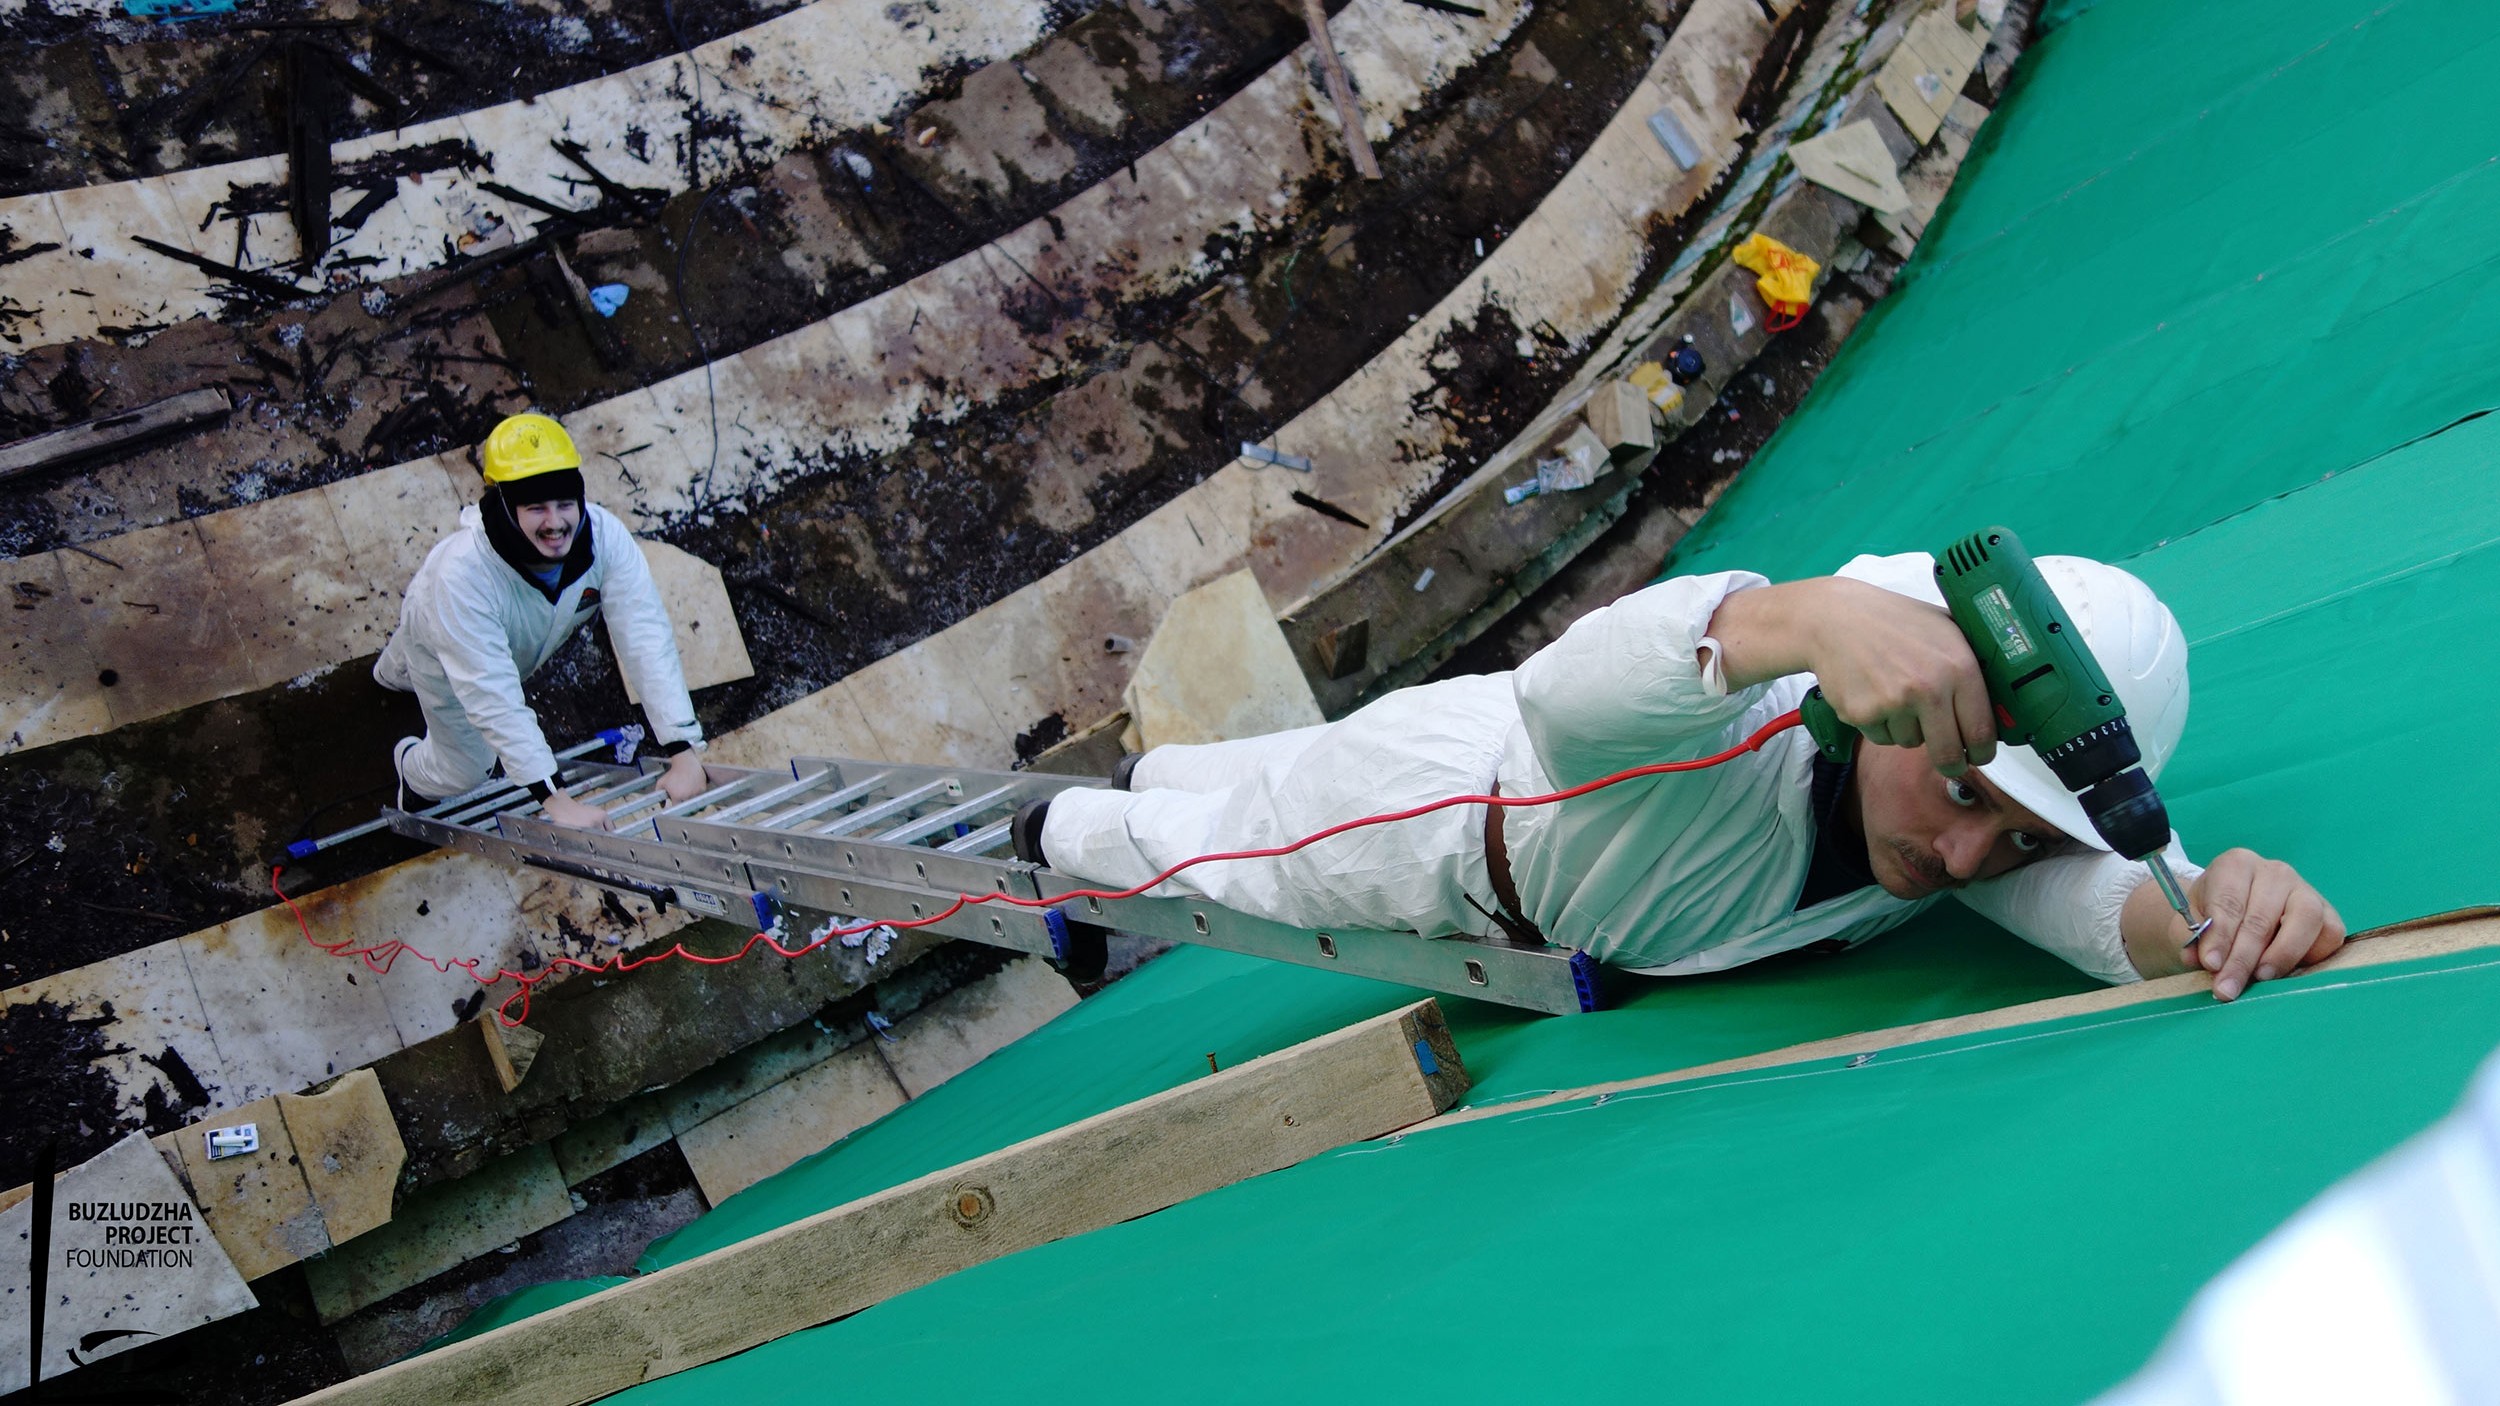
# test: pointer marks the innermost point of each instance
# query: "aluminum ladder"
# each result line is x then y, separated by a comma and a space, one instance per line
837, 838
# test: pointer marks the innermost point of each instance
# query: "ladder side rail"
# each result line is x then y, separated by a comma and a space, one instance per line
1555, 980
726, 886
1042, 932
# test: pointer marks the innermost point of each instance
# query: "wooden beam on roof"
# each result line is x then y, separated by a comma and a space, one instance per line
1340, 91
107, 434
2434, 936
1361, 1082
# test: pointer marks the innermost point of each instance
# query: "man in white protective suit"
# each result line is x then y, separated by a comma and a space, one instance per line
1699, 871
530, 563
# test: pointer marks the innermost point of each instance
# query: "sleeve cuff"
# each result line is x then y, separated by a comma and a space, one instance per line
1706, 657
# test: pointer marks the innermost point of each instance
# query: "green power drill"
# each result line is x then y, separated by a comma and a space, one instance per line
2049, 694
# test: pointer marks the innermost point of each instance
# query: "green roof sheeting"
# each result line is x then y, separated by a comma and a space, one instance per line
2211, 299
2010, 1216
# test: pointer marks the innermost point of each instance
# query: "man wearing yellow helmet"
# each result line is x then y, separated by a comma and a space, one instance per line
530, 564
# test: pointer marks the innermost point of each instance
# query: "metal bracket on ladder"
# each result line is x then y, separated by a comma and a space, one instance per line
842, 838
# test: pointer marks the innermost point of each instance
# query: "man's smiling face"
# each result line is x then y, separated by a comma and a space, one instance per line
1926, 833
550, 527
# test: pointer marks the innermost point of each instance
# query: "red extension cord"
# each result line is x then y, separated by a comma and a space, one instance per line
379, 957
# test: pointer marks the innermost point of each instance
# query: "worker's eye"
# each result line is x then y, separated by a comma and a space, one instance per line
1960, 791
2027, 843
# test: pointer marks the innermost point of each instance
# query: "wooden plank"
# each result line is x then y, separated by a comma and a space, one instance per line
512, 1051
1360, 1082
257, 1204
1340, 91
111, 432
1622, 418
2433, 936
350, 1149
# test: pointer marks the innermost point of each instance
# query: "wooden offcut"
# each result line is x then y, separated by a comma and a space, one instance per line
1340, 91
109, 433
1360, 1082
510, 1049
1619, 413
257, 1205
350, 1151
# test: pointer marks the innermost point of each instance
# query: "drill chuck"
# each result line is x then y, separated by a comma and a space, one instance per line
2128, 813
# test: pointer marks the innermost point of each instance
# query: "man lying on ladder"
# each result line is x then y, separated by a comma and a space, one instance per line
530, 563
1796, 846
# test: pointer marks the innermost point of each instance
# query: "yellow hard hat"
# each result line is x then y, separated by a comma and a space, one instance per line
524, 446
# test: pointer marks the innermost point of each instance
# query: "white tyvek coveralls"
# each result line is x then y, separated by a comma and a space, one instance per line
470, 629
1691, 872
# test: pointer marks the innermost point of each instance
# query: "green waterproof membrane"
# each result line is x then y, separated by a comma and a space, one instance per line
2211, 299
2011, 1216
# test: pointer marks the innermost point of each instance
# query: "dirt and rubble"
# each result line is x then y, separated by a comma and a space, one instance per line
1686, 478
329, 387
866, 555
111, 97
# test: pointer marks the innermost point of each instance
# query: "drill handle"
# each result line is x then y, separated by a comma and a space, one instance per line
1837, 740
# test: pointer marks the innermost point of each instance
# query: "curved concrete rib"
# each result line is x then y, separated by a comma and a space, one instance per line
954, 695
1379, 443
812, 73
307, 580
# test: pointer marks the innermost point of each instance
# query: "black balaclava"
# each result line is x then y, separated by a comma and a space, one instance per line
516, 549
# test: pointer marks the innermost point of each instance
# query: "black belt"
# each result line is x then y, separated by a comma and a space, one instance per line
1510, 917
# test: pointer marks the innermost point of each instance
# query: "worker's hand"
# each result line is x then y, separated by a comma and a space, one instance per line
2267, 921
1899, 671
683, 781
562, 809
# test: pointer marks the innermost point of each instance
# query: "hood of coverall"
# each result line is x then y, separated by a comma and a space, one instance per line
503, 533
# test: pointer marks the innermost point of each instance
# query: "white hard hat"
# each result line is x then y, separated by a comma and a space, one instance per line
2133, 635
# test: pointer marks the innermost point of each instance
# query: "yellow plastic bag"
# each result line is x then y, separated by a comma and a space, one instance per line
1654, 382
1784, 278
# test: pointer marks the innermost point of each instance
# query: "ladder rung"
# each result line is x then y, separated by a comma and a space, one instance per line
870, 815
773, 797
609, 790
618, 787
712, 797
473, 807
832, 801
938, 820
654, 797
569, 758
979, 840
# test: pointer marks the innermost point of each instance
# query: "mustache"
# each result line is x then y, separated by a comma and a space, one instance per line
1925, 867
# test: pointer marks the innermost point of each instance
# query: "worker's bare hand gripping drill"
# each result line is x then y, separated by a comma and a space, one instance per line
1983, 725
2002, 656
528, 566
